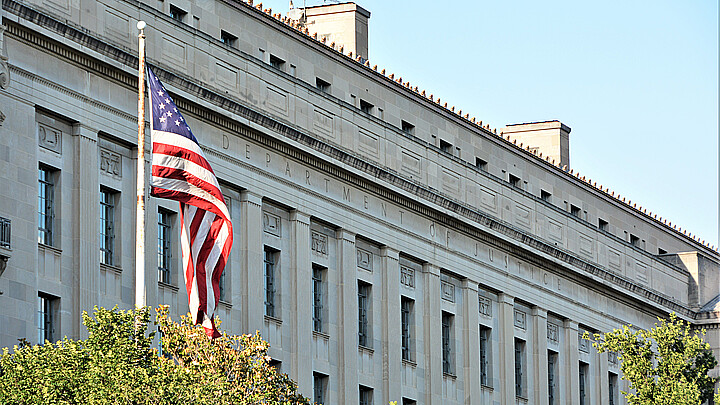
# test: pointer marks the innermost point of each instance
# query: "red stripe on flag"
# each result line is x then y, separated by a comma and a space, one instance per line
173, 150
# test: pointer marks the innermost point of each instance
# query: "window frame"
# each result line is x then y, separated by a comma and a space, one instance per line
406, 324
177, 14
46, 205
270, 256
364, 297
108, 208
322, 85
164, 239
407, 128
520, 366
447, 323
47, 315
485, 352
318, 280
228, 38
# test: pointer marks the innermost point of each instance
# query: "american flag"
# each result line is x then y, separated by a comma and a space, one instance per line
180, 172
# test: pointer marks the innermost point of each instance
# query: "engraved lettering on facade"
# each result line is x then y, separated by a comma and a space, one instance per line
110, 163
520, 320
319, 243
364, 259
407, 276
448, 291
50, 138
271, 224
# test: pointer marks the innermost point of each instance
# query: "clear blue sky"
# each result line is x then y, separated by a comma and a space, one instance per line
637, 81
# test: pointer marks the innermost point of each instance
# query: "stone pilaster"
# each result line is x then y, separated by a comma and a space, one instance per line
347, 318
540, 355
250, 283
86, 196
301, 304
432, 320
506, 311
571, 365
471, 342
391, 340
603, 379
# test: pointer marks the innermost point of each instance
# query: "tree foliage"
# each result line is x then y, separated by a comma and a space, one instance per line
118, 364
666, 365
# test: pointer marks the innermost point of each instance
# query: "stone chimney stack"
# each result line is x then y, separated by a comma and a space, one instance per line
551, 138
346, 24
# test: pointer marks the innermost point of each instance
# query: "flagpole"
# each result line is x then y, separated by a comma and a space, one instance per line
140, 214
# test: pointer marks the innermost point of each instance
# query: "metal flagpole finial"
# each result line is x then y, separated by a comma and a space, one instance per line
141, 26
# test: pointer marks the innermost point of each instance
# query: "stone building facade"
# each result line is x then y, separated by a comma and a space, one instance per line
387, 246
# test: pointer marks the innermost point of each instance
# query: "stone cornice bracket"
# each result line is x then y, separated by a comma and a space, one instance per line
4, 69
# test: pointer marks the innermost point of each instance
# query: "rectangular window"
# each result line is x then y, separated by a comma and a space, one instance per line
447, 343
46, 205
583, 382
514, 180
552, 372
481, 164
661, 251
228, 38
177, 13
446, 147
47, 315
277, 63
484, 355
634, 240
544, 195
363, 313
602, 224
318, 298
322, 85
406, 320
366, 107
107, 226
164, 246
270, 288
366, 395
408, 128
612, 389
574, 211
520, 363
407, 401
5, 227
319, 387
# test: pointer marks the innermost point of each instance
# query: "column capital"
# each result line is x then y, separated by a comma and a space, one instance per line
345, 235
539, 311
570, 324
387, 251
431, 268
471, 285
85, 131
300, 216
504, 298
250, 197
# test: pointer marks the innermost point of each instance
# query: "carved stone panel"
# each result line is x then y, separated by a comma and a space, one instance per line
520, 319
613, 358
407, 277
485, 305
583, 344
364, 259
319, 243
552, 333
448, 291
271, 224
50, 138
110, 163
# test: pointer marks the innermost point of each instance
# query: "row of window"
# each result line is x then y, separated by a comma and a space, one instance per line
365, 394
109, 200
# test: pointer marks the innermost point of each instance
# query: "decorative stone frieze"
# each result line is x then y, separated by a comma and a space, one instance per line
407, 277
271, 224
319, 243
110, 163
50, 138
448, 291
520, 319
364, 259
485, 306
552, 333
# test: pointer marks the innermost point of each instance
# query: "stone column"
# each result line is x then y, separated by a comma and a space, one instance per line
540, 359
603, 379
506, 313
86, 201
347, 318
432, 320
301, 305
572, 365
391, 324
250, 283
471, 342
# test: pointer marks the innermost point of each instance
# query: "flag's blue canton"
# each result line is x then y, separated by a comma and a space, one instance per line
165, 115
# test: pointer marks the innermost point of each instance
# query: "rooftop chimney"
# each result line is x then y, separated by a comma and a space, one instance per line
346, 24
551, 138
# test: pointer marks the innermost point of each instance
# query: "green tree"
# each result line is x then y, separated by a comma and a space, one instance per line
666, 365
117, 364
